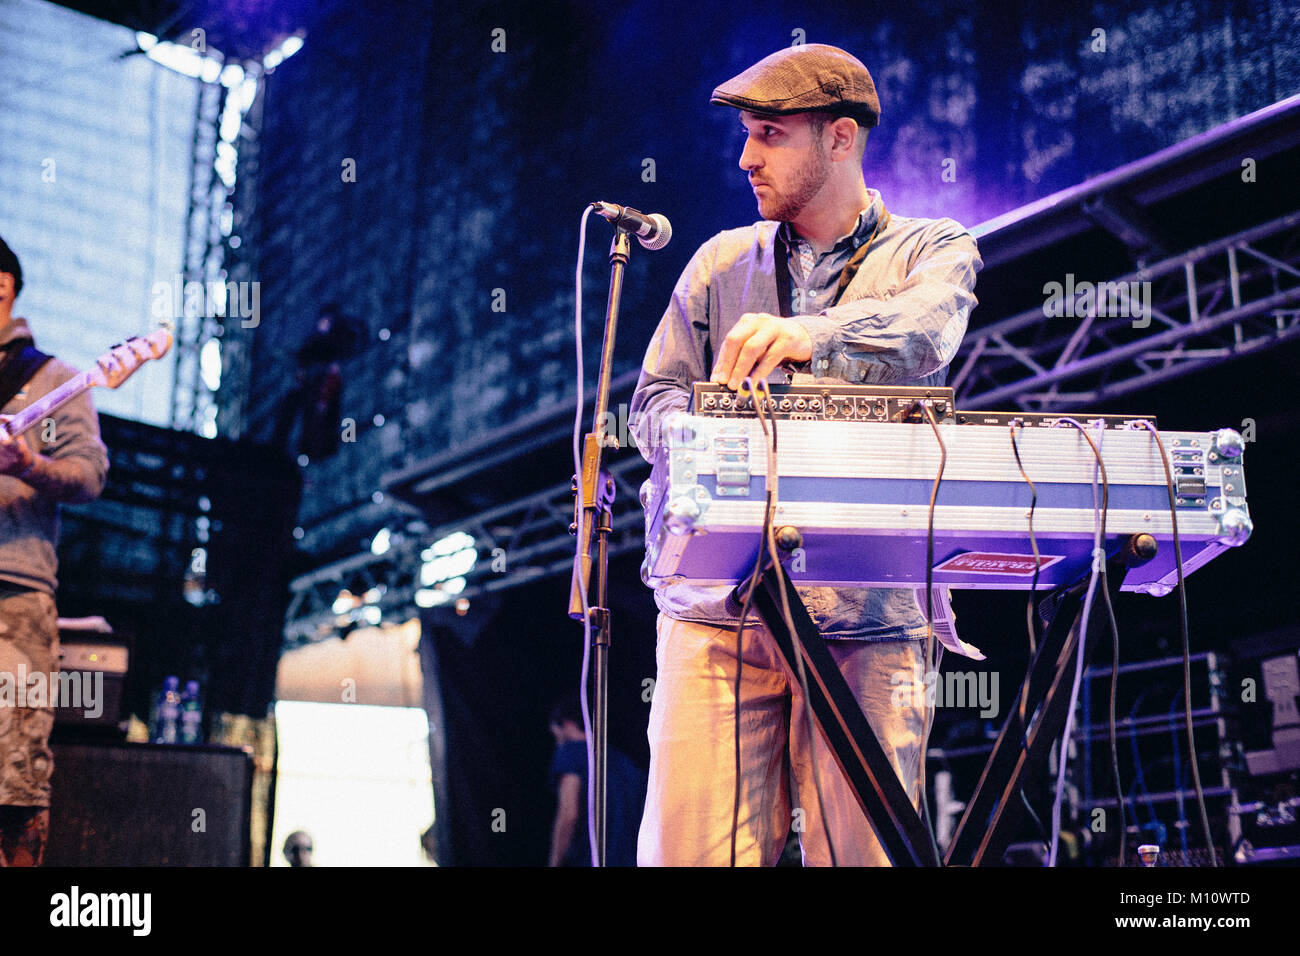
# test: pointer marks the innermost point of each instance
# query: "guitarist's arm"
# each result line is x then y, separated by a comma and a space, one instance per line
62, 458
69, 480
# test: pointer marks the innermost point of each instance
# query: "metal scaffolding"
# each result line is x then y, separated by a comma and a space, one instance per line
1216, 302
204, 250
242, 251
537, 545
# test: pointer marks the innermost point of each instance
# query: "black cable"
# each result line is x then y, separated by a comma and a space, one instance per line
796, 645
1110, 719
1033, 541
1029, 618
1033, 586
740, 649
1114, 673
1042, 830
931, 666
740, 666
1187, 658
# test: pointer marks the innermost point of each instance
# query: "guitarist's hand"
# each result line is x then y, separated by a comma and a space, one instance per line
16, 457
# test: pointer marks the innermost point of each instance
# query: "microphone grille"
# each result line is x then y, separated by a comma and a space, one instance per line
660, 238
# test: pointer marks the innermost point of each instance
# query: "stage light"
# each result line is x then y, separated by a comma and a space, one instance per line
288, 48
430, 597
232, 75
447, 561
345, 602
210, 364
453, 542
182, 59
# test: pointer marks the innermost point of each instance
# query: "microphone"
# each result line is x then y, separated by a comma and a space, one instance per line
653, 231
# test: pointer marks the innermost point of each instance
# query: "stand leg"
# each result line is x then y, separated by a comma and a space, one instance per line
840, 719
988, 824
601, 639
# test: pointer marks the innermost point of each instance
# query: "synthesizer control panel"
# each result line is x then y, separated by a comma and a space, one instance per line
1050, 420
829, 403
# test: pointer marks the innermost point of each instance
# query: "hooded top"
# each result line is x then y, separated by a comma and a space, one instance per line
29, 520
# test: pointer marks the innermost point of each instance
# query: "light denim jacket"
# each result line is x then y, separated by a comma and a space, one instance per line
899, 322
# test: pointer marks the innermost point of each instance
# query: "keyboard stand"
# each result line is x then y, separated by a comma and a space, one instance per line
994, 810
988, 823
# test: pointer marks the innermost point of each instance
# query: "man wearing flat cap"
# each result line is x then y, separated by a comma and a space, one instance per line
828, 288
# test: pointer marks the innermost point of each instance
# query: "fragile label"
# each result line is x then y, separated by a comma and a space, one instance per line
989, 562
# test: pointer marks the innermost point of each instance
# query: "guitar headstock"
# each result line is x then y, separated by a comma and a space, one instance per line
120, 362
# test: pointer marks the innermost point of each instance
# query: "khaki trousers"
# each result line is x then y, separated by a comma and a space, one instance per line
688, 813
29, 644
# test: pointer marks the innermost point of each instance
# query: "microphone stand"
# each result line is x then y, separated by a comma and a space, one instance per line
593, 515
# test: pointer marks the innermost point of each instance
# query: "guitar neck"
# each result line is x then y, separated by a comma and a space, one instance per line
58, 397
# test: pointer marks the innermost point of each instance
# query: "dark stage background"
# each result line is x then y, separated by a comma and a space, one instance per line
450, 252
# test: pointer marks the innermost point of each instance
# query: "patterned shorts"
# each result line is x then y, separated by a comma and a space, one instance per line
29, 644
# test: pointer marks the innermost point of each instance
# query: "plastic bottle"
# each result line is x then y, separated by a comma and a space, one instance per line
191, 714
169, 712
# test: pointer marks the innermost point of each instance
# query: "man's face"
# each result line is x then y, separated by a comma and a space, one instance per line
297, 850
787, 163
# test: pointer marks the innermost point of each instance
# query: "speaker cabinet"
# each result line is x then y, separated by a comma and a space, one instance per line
121, 804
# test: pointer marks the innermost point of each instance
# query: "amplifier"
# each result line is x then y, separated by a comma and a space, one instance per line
857, 493
119, 804
93, 668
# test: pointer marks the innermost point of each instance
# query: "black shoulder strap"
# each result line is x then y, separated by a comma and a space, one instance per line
18, 369
782, 266
781, 263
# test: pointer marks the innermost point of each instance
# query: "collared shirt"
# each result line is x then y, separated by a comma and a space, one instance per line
899, 322
814, 278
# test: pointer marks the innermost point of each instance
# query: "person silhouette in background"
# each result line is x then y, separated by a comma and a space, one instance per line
625, 794
313, 405
297, 848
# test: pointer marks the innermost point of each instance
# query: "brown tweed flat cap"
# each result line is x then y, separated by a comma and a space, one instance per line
811, 76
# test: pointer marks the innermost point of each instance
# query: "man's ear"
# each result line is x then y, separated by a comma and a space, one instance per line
844, 132
6, 285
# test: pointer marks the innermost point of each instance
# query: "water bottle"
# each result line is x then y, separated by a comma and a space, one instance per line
169, 712
191, 714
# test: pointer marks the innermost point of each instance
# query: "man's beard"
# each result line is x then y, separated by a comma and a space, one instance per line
808, 180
